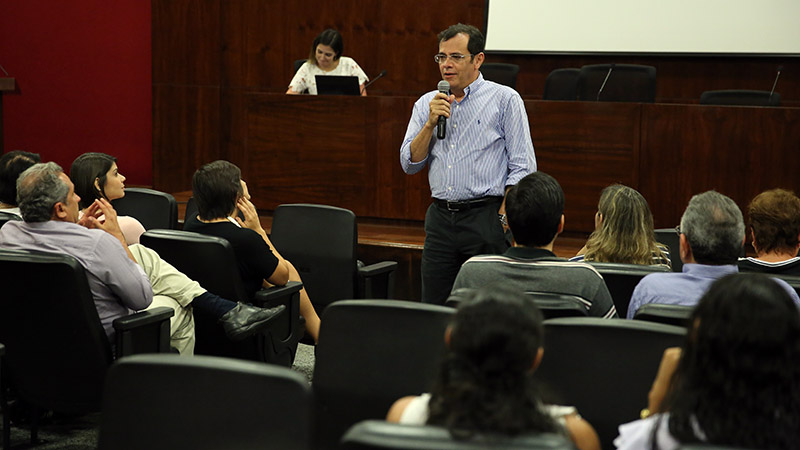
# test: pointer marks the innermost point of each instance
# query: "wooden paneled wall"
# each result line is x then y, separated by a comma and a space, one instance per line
209, 54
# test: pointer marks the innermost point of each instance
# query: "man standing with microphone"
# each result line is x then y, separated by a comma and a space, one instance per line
477, 143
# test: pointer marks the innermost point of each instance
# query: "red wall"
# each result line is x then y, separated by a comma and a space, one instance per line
83, 70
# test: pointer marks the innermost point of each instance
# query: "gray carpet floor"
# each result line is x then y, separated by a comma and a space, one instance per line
80, 433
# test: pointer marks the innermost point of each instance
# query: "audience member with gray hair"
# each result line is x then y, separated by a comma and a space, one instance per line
711, 239
122, 278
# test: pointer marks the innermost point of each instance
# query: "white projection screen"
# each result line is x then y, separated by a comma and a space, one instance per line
762, 27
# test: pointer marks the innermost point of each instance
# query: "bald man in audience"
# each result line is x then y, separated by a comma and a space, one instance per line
711, 239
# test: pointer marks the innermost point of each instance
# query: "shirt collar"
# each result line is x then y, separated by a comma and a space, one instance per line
474, 86
709, 271
233, 221
529, 253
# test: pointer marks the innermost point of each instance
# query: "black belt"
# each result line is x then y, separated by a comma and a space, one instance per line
464, 205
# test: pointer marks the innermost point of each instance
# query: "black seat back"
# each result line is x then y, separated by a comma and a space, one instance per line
604, 367
154, 209
627, 83
740, 97
320, 241
621, 280
560, 305
166, 402
561, 84
57, 350
669, 314
370, 353
377, 434
211, 262
672, 240
501, 73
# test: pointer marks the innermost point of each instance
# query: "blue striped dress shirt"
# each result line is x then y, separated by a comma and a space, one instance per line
487, 146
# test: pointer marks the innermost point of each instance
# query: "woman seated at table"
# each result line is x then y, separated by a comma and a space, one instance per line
623, 231
736, 381
485, 384
326, 59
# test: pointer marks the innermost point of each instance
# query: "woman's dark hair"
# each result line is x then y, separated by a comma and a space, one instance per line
216, 187
85, 170
738, 380
332, 39
12, 164
485, 383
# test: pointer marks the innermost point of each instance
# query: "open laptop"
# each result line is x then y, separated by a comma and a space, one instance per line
337, 85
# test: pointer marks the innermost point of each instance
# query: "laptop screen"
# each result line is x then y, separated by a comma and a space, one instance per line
337, 85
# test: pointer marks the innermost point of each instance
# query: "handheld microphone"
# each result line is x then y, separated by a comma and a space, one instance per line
372, 81
602, 86
780, 69
444, 88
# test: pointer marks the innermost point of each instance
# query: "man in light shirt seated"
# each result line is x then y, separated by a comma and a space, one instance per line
711, 239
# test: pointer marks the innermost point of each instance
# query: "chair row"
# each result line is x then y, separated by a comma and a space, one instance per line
635, 83
371, 353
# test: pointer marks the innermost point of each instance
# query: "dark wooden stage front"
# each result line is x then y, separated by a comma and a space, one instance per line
344, 151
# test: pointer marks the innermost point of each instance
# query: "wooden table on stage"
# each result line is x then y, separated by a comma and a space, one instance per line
344, 151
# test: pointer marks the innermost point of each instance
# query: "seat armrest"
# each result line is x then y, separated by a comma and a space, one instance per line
143, 332
275, 295
286, 332
377, 280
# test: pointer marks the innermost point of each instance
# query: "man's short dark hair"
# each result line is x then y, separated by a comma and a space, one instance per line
476, 41
216, 187
534, 208
12, 164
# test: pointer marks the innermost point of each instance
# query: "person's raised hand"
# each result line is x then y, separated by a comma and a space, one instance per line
250, 214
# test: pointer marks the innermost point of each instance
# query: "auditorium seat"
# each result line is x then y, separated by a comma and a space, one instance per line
154, 209
626, 83
740, 97
211, 262
669, 314
561, 84
57, 351
670, 238
169, 402
551, 304
298, 63
501, 73
3, 407
603, 367
371, 353
621, 280
321, 243
378, 434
